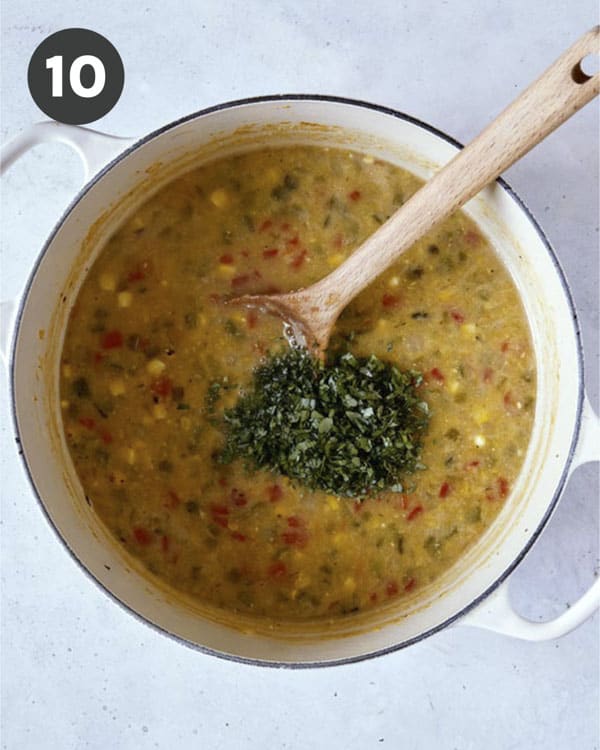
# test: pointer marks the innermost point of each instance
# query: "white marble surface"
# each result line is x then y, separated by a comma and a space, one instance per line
77, 671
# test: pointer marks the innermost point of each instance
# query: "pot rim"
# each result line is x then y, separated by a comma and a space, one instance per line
274, 98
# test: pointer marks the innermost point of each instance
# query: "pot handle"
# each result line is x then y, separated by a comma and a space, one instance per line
496, 613
95, 150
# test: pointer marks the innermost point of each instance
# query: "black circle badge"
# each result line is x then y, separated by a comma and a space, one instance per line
76, 76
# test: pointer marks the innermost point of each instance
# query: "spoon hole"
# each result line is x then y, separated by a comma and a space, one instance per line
585, 69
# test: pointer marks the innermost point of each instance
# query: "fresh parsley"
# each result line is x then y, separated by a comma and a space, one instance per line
351, 427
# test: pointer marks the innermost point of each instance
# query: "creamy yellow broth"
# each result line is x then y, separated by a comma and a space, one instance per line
149, 335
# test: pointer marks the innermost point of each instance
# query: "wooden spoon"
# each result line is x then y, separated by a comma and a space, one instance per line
561, 91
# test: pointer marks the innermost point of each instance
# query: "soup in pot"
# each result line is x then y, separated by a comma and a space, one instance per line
152, 357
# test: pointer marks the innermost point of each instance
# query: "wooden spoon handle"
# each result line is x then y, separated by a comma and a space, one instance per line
560, 92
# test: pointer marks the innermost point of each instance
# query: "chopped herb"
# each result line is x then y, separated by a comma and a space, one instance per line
81, 388
232, 329
191, 319
352, 427
282, 191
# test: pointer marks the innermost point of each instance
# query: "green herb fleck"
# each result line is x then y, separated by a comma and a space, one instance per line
352, 427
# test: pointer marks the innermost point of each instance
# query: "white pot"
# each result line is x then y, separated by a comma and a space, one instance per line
564, 433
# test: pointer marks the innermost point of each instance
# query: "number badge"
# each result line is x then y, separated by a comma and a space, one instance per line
76, 76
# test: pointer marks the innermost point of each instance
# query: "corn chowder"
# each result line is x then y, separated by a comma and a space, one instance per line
152, 357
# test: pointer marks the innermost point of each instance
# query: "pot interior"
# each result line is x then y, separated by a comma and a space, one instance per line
73, 247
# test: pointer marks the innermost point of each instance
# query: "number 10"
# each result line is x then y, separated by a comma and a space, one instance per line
55, 64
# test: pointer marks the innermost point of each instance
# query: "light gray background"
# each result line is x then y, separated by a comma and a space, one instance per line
77, 671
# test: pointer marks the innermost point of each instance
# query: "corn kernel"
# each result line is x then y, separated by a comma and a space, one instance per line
481, 415
155, 367
368, 160
64, 404
382, 324
159, 411
349, 584
137, 223
479, 441
336, 260
67, 371
468, 330
125, 299
129, 455
394, 281
226, 269
219, 198
333, 502
117, 387
303, 580
107, 282
453, 386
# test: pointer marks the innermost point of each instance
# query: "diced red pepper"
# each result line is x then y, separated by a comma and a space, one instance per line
106, 437
508, 400
373, 597
275, 493
136, 275
277, 569
112, 340
338, 240
270, 252
245, 278
223, 481
457, 316
295, 522
472, 238
240, 280
161, 386
437, 374
164, 543
238, 536
354, 195
295, 537
226, 259
503, 486
238, 497
298, 261
416, 511
173, 500
410, 584
98, 357
87, 422
251, 318
267, 224
391, 588
285, 226
390, 300
471, 465
505, 346
445, 490
219, 510
142, 536
488, 375
293, 241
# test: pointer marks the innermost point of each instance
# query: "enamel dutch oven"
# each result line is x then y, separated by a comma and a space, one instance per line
122, 173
